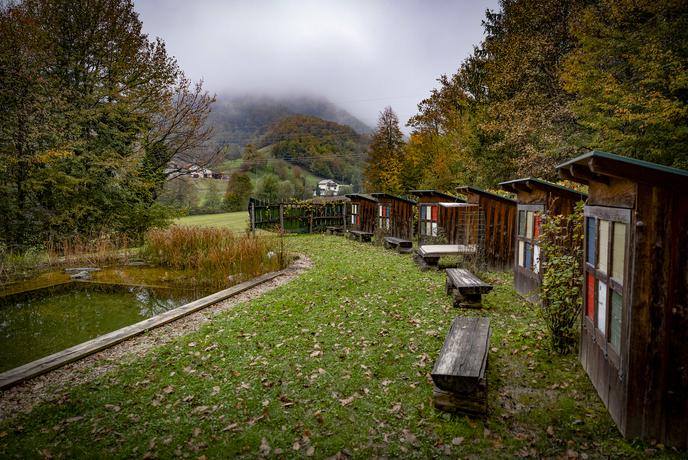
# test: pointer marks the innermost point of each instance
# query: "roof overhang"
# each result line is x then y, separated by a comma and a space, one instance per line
478, 191
598, 167
531, 184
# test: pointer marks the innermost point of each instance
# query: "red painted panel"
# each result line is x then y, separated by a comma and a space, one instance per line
536, 230
590, 296
434, 213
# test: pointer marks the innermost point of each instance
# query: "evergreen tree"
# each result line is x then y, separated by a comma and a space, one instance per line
386, 155
239, 189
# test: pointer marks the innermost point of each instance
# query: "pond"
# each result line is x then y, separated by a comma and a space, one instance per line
38, 322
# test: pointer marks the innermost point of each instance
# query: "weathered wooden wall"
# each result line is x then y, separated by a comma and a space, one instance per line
658, 371
554, 202
646, 392
500, 229
433, 199
367, 214
461, 225
401, 217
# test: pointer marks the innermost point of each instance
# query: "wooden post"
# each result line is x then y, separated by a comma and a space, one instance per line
344, 215
253, 218
281, 214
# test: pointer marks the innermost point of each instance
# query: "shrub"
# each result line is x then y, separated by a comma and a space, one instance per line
561, 240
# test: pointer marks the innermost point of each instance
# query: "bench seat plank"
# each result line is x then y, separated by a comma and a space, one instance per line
463, 358
466, 282
440, 250
402, 245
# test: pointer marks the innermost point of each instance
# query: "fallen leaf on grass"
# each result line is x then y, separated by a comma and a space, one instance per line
347, 401
457, 441
168, 389
550, 430
230, 427
310, 452
264, 447
215, 391
316, 353
113, 407
200, 409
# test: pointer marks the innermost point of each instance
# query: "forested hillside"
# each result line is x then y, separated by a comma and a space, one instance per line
325, 148
241, 120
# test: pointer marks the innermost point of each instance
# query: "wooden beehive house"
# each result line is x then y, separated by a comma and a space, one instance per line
394, 215
361, 213
499, 217
436, 217
634, 332
535, 198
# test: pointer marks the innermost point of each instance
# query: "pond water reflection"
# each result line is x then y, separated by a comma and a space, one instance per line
43, 321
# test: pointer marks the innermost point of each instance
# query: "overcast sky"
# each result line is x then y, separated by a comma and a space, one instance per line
362, 55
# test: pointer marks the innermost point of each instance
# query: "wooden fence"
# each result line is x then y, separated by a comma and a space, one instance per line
296, 217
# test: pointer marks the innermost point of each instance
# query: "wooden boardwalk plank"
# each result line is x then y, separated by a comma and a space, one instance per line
48, 363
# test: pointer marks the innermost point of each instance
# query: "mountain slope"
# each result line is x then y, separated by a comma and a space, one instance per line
325, 148
241, 120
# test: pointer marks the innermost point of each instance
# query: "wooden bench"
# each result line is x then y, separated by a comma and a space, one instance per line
460, 384
466, 288
334, 230
401, 245
359, 235
428, 255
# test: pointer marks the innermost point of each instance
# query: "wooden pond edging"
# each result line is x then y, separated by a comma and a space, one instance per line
59, 359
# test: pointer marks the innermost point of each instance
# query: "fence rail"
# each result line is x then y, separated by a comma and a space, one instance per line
299, 217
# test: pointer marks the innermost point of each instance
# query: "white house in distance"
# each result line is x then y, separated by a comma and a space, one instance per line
326, 187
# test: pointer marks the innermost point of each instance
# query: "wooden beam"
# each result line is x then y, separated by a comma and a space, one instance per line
584, 174
566, 174
638, 174
522, 187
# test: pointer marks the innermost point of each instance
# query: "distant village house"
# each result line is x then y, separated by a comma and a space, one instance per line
326, 187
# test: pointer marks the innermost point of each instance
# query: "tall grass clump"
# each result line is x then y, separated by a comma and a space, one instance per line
217, 255
92, 249
84, 250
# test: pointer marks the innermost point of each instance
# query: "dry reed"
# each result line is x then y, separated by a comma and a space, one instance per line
218, 256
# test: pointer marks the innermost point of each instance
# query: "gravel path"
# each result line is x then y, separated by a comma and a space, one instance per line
51, 386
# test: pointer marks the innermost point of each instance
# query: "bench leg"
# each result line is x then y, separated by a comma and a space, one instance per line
449, 286
404, 250
432, 261
467, 300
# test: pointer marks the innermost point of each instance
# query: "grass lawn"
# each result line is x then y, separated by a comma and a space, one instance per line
335, 362
237, 221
